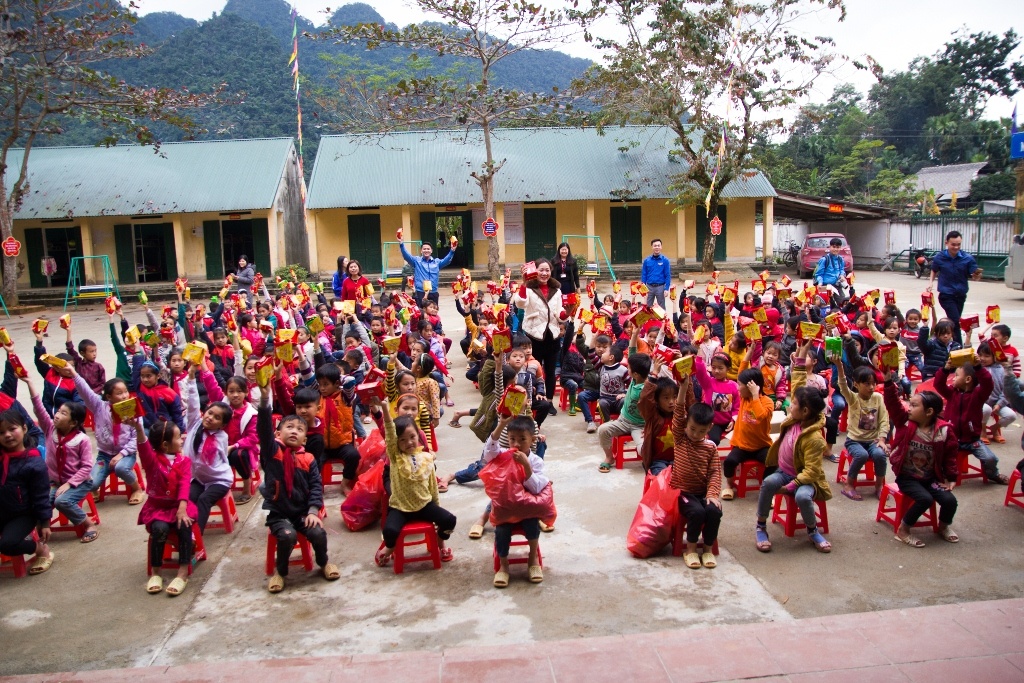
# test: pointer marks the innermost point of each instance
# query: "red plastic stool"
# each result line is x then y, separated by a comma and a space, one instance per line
171, 559
254, 482
18, 565
679, 540
223, 515
563, 398
750, 470
1011, 497
517, 531
900, 504
331, 476
595, 412
968, 470
786, 512
429, 539
62, 523
621, 445
913, 374
842, 420
305, 560
116, 487
866, 477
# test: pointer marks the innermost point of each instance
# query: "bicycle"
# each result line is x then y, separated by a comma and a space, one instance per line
792, 256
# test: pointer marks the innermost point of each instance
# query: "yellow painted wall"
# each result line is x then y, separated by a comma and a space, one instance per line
658, 222
740, 232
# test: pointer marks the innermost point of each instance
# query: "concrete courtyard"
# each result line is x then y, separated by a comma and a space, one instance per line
90, 611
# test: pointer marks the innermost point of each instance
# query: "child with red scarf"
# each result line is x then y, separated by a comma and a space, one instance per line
24, 493
293, 489
159, 400
58, 387
206, 445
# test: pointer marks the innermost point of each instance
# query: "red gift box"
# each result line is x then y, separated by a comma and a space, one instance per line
529, 271
367, 391
969, 322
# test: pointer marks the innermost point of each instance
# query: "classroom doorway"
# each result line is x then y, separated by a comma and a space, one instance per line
437, 228
540, 228
626, 234
236, 241
50, 251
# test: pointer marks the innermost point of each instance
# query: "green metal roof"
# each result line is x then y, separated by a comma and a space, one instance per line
130, 180
542, 164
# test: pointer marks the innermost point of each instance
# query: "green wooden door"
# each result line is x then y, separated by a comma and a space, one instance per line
428, 230
704, 230
214, 254
124, 244
540, 228
436, 229
627, 237
36, 254
261, 246
364, 240
170, 252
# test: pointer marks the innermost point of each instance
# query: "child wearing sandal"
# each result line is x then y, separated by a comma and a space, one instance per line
167, 507
68, 459
507, 514
293, 491
413, 487
924, 460
657, 404
242, 438
751, 437
867, 427
24, 493
797, 453
697, 476
115, 441
206, 445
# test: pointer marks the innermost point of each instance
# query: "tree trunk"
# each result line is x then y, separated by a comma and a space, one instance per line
707, 263
486, 183
10, 282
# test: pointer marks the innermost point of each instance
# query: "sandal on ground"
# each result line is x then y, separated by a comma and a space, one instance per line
536, 573
762, 540
176, 586
442, 487
605, 467
820, 542
450, 403
546, 529
852, 495
1000, 479
727, 494
447, 554
155, 585
948, 534
501, 580
383, 557
708, 560
692, 560
832, 457
41, 564
90, 536
454, 423
331, 572
911, 540
476, 531
276, 583
243, 498
137, 497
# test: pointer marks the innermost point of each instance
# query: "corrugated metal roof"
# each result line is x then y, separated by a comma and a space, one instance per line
541, 164
129, 180
946, 180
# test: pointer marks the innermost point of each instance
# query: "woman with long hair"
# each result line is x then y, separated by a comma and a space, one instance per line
339, 276
541, 301
354, 286
565, 271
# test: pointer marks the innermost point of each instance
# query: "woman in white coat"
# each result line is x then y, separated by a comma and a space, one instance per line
541, 301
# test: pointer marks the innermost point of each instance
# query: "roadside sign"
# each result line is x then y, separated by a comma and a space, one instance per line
1017, 146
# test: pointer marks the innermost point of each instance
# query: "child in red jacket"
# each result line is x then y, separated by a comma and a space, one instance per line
965, 401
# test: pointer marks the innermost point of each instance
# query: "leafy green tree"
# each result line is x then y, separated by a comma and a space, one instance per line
685, 65
995, 186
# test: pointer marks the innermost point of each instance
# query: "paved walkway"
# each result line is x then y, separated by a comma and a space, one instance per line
980, 642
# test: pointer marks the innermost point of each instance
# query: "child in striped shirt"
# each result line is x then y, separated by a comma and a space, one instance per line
697, 475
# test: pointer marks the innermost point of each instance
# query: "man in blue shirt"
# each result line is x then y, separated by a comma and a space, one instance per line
425, 268
954, 267
831, 268
656, 273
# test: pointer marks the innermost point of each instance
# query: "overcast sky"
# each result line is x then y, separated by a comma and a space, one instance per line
891, 31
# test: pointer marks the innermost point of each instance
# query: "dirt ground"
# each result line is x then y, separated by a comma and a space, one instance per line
90, 611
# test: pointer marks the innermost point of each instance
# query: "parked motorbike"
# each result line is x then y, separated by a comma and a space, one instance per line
921, 259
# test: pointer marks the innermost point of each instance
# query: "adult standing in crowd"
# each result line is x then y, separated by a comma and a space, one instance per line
244, 277
565, 270
354, 286
339, 276
541, 301
954, 266
426, 268
656, 273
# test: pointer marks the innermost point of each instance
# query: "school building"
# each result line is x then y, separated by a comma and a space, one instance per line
189, 209
552, 182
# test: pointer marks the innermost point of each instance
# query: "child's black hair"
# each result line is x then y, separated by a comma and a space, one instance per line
701, 414
521, 341
521, 425
687, 349
864, 375
663, 384
773, 346
912, 311
812, 400
218, 331
1002, 329
354, 357
67, 357
602, 339
16, 418
426, 364
329, 372
161, 433
84, 345
110, 385
243, 319
943, 327
616, 354
237, 382
305, 395
402, 423
722, 358
640, 363
984, 348
290, 418
933, 402
751, 375
76, 411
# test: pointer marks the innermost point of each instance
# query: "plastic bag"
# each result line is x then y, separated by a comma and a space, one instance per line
655, 517
371, 450
362, 507
503, 481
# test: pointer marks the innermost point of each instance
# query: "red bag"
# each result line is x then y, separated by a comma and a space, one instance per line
503, 481
655, 517
362, 507
371, 450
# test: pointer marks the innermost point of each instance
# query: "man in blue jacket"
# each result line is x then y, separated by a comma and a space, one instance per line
425, 268
831, 268
954, 266
656, 273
